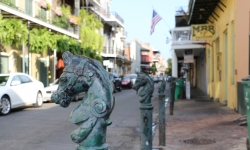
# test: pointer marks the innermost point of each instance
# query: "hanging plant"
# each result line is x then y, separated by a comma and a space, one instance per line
75, 47
10, 3
91, 39
89, 20
41, 40
62, 43
61, 17
74, 20
58, 12
13, 31
44, 4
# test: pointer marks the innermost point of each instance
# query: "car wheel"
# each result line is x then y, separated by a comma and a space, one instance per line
113, 87
5, 105
131, 85
76, 98
39, 100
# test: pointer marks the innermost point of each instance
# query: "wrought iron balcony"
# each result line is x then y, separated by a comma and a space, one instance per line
106, 15
116, 15
181, 35
181, 10
119, 52
32, 9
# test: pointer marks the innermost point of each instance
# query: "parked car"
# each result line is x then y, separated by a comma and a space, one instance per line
47, 92
129, 80
155, 79
18, 90
160, 78
116, 81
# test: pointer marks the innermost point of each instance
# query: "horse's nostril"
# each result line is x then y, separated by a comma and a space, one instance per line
64, 103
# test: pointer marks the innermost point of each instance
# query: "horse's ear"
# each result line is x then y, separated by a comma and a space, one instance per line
67, 58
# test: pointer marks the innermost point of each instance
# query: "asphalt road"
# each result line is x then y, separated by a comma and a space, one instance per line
48, 128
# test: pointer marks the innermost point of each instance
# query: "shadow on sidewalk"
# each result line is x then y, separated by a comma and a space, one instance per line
202, 119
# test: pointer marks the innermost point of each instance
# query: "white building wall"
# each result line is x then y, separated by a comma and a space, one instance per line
135, 55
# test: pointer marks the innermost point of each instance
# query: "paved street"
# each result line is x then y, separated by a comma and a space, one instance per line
48, 128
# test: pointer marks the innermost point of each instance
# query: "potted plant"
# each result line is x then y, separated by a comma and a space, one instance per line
44, 4
61, 17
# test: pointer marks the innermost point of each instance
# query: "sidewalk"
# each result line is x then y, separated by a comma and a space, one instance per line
204, 121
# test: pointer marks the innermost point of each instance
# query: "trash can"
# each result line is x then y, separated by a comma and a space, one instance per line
179, 86
246, 86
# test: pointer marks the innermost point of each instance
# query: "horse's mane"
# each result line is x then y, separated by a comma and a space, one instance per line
98, 68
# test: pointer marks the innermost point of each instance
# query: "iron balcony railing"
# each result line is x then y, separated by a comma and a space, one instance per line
117, 16
111, 50
119, 52
181, 10
107, 14
33, 9
124, 34
181, 35
104, 50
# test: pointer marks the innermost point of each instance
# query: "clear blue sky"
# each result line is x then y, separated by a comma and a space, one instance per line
137, 16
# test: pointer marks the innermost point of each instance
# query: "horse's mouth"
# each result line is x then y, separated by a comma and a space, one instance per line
64, 102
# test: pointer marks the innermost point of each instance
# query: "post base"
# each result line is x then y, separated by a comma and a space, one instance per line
247, 144
103, 147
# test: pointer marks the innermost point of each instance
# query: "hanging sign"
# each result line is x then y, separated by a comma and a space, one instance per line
203, 32
188, 56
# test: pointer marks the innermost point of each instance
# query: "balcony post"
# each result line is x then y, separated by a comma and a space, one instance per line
29, 47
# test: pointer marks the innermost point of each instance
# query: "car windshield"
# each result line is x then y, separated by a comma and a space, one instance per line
127, 77
133, 76
3, 80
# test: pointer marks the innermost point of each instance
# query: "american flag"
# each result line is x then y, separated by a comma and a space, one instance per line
156, 18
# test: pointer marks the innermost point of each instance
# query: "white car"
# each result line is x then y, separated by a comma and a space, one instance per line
18, 90
47, 91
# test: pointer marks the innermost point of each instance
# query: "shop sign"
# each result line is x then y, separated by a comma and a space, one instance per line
203, 32
188, 56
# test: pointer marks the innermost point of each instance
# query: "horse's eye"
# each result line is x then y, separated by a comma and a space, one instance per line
62, 79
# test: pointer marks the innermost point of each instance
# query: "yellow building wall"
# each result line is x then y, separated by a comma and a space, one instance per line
242, 38
220, 68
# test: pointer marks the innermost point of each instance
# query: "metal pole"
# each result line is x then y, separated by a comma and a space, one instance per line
146, 127
171, 95
162, 124
146, 109
29, 47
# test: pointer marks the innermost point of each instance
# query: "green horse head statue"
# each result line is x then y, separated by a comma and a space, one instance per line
147, 84
83, 74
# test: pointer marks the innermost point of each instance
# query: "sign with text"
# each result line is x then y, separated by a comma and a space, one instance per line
203, 32
188, 56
